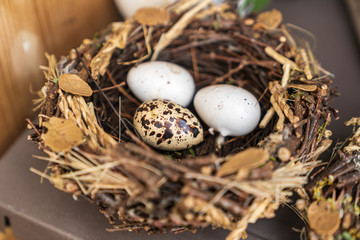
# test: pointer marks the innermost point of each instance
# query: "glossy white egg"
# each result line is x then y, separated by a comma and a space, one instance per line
230, 110
167, 126
127, 8
163, 80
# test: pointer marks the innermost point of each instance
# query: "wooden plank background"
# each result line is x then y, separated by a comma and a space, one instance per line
28, 28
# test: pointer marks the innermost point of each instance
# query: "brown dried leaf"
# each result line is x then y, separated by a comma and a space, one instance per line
322, 218
152, 16
247, 159
269, 20
73, 84
8, 234
62, 134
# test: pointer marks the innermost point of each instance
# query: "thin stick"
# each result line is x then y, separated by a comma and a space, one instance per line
263, 94
147, 37
176, 30
269, 114
280, 122
286, 75
277, 92
41, 174
110, 88
121, 90
280, 58
307, 70
195, 65
252, 40
200, 43
33, 126
97, 85
231, 72
303, 87
120, 119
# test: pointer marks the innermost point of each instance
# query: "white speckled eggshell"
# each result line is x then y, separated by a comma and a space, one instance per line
167, 126
157, 79
230, 110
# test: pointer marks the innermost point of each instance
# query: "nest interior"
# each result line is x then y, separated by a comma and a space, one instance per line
138, 187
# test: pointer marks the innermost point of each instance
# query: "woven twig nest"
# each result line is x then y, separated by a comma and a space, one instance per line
85, 124
329, 202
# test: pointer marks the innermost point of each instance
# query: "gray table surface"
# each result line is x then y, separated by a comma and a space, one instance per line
39, 211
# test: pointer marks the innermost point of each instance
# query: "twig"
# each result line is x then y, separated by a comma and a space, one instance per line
176, 30
195, 65
280, 58
33, 126
121, 90
269, 114
110, 88
307, 65
97, 85
280, 123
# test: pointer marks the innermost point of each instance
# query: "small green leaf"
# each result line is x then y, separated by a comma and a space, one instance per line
347, 236
56, 80
216, 25
96, 35
357, 209
178, 153
260, 4
191, 151
107, 30
245, 7
272, 158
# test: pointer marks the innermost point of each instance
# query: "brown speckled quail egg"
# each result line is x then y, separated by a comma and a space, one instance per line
161, 80
167, 126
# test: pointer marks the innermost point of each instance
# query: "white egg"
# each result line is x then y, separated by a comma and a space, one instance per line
164, 80
128, 8
230, 110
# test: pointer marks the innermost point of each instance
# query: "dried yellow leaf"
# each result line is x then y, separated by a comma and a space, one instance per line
269, 20
152, 16
73, 84
62, 134
322, 218
8, 234
247, 159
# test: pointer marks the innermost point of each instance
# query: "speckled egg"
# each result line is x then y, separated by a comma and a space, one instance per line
167, 126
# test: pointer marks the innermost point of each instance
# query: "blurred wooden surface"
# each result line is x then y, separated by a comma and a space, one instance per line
28, 29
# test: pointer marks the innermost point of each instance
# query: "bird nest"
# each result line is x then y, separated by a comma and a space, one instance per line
329, 202
85, 122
